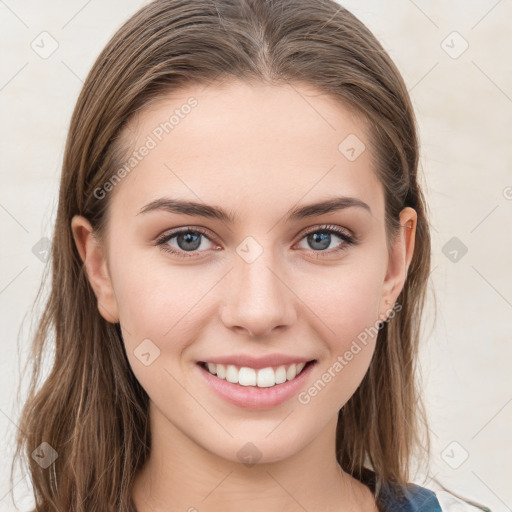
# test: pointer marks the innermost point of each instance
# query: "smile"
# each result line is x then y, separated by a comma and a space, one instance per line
261, 378
261, 388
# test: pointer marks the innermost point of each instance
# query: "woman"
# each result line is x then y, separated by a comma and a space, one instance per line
240, 261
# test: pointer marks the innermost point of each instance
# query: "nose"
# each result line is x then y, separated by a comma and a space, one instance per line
258, 298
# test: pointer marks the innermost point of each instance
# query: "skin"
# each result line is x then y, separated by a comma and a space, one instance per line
255, 151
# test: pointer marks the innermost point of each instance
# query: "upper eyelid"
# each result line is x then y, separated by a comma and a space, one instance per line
185, 229
325, 227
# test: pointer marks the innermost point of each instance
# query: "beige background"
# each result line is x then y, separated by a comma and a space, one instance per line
464, 107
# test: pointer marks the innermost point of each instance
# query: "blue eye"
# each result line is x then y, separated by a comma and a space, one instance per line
320, 239
189, 241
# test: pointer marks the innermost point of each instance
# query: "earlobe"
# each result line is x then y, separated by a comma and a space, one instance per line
95, 265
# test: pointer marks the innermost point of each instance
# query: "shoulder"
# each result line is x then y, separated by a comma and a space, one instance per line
451, 503
415, 498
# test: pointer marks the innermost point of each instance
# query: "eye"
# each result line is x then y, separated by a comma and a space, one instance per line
188, 240
321, 237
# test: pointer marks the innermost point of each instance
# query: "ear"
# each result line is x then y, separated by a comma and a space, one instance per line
95, 263
400, 257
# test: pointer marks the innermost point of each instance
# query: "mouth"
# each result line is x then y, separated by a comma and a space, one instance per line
255, 388
269, 377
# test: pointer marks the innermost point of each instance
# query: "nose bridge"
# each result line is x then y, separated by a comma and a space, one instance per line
258, 283
259, 300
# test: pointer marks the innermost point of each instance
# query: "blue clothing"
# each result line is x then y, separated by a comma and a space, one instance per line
415, 498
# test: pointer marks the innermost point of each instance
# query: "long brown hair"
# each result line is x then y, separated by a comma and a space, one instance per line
91, 409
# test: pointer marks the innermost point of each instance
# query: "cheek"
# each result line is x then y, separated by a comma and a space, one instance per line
157, 301
347, 302
346, 299
157, 309
349, 310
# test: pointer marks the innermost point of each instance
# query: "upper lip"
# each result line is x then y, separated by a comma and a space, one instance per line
257, 362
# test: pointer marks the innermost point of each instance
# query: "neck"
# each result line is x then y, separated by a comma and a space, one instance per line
180, 475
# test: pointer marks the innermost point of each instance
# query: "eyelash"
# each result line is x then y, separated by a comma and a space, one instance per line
348, 240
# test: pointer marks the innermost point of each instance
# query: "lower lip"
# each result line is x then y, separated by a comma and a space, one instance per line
252, 397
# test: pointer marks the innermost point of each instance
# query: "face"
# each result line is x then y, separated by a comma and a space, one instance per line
252, 270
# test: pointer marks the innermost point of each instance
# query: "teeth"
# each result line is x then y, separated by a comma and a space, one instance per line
247, 376
291, 373
263, 378
232, 374
221, 371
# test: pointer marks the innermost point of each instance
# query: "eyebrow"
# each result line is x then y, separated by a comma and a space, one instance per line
193, 208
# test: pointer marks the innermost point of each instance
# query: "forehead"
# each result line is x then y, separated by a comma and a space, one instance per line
246, 146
